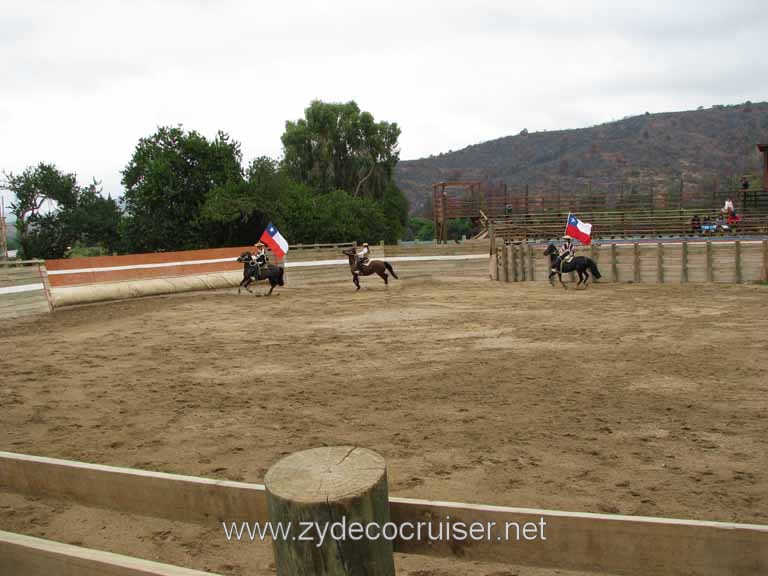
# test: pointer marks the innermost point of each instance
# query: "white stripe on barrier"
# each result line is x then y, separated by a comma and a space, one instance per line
21, 288
287, 264
138, 266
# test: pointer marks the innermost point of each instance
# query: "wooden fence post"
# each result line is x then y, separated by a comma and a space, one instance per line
710, 263
614, 263
329, 486
636, 261
513, 262
684, 263
531, 263
505, 261
737, 247
660, 263
523, 271
765, 260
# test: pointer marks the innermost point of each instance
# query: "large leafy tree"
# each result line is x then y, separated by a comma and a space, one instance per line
53, 213
33, 188
240, 210
167, 183
338, 147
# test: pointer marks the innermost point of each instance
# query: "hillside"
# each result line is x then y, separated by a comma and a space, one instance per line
651, 149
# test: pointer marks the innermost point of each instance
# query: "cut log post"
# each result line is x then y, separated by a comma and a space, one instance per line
614, 264
660, 263
765, 258
343, 489
709, 263
636, 261
531, 263
505, 260
737, 248
684, 263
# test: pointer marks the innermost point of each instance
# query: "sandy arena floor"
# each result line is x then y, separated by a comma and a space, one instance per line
632, 399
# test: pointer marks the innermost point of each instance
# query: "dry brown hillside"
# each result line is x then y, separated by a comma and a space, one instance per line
651, 149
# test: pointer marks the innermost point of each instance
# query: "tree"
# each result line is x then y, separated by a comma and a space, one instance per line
94, 221
240, 210
32, 189
53, 213
167, 183
338, 147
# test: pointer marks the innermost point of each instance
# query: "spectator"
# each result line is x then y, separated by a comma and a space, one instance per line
728, 208
695, 224
744, 183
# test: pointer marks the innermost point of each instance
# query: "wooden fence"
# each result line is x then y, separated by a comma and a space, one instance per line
628, 224
616, 544
23, 288
655, 262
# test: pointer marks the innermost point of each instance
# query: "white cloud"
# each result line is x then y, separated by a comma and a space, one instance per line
83, 81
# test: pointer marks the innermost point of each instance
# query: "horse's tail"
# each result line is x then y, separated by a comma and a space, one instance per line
388, 266
593, 268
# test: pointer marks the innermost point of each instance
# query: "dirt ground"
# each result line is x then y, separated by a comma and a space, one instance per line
631, 399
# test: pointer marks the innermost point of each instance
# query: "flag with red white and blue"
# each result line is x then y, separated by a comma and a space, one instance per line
275, 241
578, 230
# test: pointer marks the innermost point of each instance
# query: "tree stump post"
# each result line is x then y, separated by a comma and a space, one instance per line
336, 488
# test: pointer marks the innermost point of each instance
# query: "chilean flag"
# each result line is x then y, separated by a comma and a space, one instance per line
275, 241
578, 230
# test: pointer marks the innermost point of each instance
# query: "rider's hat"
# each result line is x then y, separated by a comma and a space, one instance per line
566, 237
365, 243
259, 244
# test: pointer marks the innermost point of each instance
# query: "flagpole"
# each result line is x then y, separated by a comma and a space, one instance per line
566, 224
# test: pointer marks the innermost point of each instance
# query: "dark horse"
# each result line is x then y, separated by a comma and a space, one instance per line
252, 273
580, 264
373, 267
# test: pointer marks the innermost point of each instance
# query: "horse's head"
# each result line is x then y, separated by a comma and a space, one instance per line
348, 251
245, 257
550, 250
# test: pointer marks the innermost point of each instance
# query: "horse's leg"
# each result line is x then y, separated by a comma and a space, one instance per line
356, 280
560, 276
552, 279
384, 276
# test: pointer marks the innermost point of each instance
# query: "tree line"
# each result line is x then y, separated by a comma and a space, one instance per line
184, 191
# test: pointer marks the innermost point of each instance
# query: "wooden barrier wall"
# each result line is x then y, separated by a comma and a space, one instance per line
662, 262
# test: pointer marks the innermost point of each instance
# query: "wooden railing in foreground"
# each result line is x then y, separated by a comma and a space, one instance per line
574, 541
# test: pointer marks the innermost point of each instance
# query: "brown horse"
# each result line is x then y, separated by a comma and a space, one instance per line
379, 267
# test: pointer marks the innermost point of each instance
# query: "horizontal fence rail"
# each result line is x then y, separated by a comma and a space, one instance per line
27, 556
571, 540
24, 288
727, 261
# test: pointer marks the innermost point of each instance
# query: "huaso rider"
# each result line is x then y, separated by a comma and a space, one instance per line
564, 254
362, 258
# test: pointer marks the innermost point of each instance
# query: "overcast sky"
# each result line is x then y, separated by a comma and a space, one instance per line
81, 82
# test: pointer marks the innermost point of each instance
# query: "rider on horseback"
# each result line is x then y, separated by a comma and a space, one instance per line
261, 258
362, 258
564, 254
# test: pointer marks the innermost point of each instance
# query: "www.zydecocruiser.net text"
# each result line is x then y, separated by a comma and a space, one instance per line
447, 530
